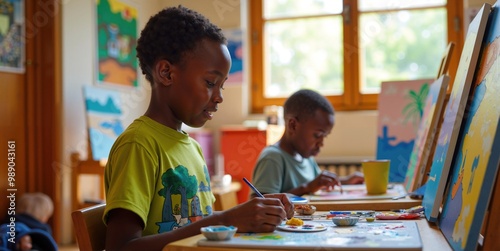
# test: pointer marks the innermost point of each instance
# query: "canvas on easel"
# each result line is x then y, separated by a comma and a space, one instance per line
104, 119
445, 60
453, 116
423, 146
400, 110
477, 157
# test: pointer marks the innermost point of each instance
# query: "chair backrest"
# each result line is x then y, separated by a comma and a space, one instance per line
89, 228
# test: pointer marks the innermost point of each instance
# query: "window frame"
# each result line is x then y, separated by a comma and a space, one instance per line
352, 99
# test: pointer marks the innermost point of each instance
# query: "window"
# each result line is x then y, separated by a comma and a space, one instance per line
345, 49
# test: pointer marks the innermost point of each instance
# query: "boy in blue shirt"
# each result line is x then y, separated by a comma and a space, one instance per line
288, 166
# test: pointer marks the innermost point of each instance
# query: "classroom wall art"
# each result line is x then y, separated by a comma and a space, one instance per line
12, 55
400, 108
476, 162
116, 42
453, 116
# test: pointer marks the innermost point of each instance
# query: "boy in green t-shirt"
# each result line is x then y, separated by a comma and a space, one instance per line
156, 180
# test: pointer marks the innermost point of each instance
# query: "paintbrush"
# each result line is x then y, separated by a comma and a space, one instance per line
253, 188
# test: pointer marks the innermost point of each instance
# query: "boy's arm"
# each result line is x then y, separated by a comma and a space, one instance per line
300, 190
124, 228
124, 232
354, 178
324, 180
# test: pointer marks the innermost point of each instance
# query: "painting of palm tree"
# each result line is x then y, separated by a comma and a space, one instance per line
400, 109
414, 110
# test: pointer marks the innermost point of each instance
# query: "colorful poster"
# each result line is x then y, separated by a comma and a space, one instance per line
104, 119
12, 36
235, 47
453, 116
423, 146
400, 107
116, 42
477, 156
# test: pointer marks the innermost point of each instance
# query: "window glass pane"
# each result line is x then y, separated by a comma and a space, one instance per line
291, 8
371, 5
402, 45
305, 53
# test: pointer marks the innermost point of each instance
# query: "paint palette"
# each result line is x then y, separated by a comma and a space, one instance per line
380, 235
309, 227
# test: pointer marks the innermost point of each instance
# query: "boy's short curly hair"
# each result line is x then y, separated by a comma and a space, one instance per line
303, 103
170, 34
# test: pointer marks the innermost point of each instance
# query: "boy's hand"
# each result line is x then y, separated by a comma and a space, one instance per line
287, 205
258, 215
354, 178
326, 180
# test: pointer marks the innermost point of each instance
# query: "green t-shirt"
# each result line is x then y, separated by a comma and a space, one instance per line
277, 171
159, 174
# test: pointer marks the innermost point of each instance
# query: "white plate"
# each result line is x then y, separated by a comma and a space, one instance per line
387, 216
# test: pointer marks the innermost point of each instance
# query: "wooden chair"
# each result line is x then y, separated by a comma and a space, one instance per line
89, 228
226, 197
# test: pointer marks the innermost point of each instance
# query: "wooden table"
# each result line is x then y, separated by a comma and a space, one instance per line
377, 205
432, 239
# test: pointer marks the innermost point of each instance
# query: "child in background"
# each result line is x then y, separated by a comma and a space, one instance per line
288, 166
29, 224
35, 210
156, 180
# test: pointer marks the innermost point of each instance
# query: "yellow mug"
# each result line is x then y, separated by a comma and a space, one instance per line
376, 174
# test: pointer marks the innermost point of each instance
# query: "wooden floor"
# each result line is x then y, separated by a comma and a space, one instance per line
72, 247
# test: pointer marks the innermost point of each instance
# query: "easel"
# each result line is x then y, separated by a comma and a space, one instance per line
84, 167
491, 223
